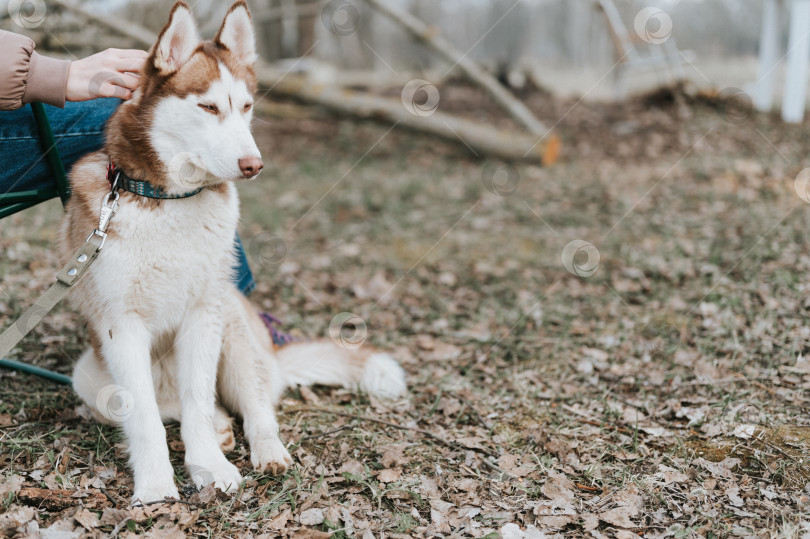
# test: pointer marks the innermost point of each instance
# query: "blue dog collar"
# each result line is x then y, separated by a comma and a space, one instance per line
119, 180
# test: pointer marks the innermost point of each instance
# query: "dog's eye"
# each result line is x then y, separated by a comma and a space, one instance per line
248, 106
209, 108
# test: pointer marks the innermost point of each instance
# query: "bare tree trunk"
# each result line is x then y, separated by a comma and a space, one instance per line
269, 17
306, 25
444, 48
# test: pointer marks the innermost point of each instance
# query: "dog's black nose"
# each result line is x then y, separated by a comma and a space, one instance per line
250, 166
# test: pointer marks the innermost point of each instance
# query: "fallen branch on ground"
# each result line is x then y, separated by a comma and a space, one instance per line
481, 139
449, 443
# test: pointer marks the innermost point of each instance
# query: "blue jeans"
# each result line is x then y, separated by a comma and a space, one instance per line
78, 130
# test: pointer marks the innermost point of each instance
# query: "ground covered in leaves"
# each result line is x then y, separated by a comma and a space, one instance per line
649, 381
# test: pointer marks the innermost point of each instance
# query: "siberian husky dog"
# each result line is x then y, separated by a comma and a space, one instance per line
172, 338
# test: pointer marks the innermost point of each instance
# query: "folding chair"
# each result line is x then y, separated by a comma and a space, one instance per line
11, 203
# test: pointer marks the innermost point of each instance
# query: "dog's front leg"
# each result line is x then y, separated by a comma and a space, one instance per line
199, 342
127, 353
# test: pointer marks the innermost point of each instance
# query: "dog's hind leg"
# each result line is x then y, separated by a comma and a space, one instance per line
92, 382
224, 429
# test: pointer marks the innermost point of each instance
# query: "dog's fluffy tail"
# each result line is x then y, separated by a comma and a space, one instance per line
309, 362
324, 362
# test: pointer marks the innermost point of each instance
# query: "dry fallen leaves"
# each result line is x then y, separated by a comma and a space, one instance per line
641, 369
629, 504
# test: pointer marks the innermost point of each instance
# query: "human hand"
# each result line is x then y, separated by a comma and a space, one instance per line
111, 73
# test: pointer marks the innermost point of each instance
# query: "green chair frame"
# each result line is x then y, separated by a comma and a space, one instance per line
11, 203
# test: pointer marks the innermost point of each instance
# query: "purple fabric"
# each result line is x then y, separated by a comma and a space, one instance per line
279, 337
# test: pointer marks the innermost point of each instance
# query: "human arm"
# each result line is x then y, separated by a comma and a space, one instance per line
27, 76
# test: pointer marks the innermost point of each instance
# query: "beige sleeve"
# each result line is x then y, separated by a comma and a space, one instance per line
27, 76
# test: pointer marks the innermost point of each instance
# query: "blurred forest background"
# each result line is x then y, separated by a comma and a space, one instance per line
608, 337
560, 43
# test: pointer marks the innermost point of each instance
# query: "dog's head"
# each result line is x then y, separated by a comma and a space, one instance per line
195, 102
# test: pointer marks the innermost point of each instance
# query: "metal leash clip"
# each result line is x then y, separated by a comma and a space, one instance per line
109, 205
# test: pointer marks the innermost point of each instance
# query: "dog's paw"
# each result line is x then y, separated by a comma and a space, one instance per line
270, 456
221, 473
154, 493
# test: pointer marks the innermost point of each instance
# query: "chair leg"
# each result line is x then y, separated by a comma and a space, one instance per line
51, 152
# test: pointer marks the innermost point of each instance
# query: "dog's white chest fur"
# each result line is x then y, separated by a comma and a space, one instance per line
161, 260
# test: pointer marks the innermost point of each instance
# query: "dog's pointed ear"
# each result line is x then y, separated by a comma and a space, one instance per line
236, 33
177, 41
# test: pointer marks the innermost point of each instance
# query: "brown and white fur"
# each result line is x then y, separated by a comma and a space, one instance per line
172, 338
